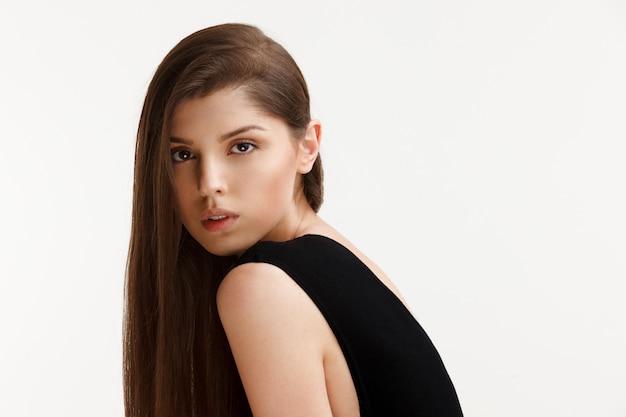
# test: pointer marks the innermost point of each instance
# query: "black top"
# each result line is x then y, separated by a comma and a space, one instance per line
396, 369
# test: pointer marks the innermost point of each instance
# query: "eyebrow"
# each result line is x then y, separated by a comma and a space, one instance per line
222, 138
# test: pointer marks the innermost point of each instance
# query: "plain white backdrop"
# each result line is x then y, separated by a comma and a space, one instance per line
474, 149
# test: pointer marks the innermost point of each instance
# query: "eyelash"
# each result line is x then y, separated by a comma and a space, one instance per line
250, 146
177, 158
176, 155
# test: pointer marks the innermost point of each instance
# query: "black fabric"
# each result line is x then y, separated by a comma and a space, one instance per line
395, 367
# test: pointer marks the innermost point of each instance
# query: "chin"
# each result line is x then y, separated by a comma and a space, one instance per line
225, 249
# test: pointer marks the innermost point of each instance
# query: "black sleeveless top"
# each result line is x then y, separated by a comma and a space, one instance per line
396, 370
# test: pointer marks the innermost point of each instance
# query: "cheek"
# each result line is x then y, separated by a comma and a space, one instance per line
278, 179
184, 197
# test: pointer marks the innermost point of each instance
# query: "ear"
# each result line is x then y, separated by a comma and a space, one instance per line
309, 146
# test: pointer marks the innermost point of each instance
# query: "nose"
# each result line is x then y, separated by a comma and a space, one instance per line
211, 178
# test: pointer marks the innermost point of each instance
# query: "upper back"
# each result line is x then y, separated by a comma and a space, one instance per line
395, 368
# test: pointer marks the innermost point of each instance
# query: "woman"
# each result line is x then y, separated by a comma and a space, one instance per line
240, 300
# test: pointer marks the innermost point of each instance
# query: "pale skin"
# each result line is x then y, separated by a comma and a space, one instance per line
237, 175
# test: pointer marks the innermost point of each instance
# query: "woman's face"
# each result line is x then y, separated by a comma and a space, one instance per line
236, 172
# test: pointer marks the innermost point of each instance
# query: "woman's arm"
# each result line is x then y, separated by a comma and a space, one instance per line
277, 336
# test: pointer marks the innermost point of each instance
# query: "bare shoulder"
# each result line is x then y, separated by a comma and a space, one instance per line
256, 288
278, 338
259, 298
248, 283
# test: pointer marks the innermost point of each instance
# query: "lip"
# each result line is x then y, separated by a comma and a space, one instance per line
218, 220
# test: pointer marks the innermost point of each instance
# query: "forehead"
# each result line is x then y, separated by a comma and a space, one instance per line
219, 103
218, 113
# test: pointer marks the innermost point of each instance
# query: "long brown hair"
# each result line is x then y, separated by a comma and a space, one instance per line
177, 361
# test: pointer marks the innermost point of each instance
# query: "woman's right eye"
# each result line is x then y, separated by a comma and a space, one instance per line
181, 155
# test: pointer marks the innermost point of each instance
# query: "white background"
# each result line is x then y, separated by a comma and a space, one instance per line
474, 149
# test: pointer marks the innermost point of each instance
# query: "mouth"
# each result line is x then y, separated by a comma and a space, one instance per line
215, 218
218, 220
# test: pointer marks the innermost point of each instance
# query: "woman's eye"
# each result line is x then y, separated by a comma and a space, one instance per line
242, 148
181, 155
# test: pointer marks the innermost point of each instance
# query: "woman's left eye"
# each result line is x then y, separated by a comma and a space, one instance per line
242, 148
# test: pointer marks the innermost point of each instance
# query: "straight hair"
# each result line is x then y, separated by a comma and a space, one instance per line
177, 361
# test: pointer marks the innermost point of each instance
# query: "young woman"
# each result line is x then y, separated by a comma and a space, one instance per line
240, 300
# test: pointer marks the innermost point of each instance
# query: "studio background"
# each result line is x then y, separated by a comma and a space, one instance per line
474, 149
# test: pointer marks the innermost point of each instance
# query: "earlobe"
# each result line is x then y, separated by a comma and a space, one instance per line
309, 146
